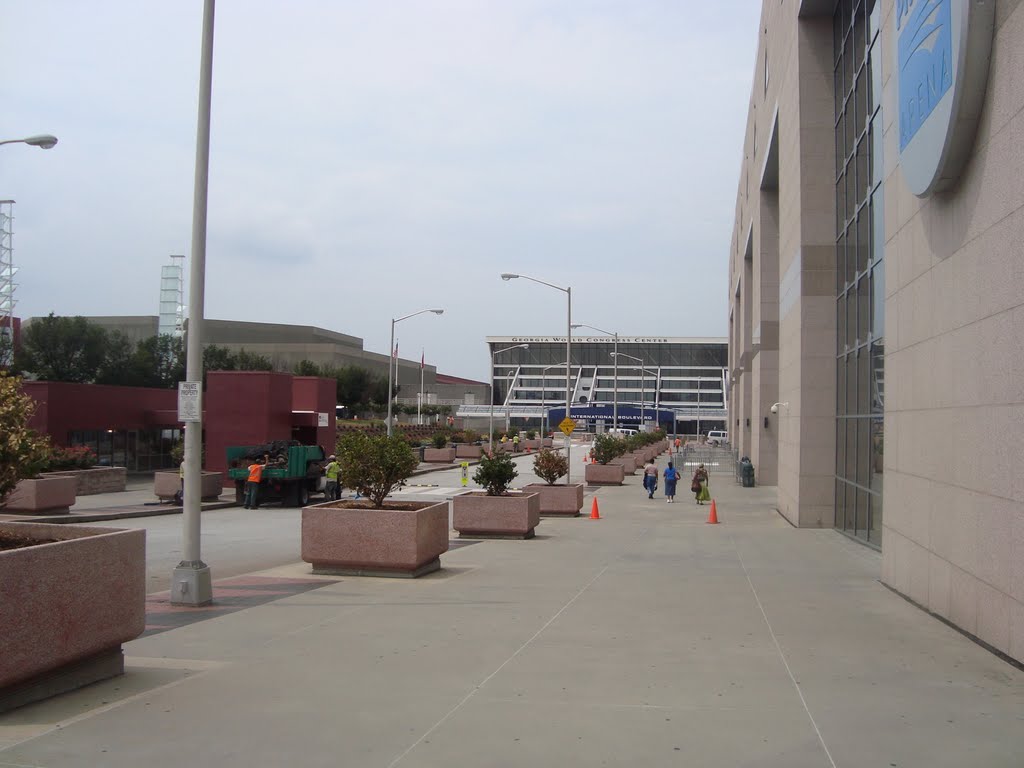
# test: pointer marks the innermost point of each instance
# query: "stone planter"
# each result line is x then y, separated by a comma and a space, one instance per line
468, 451
67, 606
94, 480
547, 442
558, 500
167, 484
530, 445
604, 474
627, 462
341, 538
514, 516
43, 495
438, 455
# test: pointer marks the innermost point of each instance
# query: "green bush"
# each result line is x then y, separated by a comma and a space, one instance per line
23, 452
495, 473
550, 466
375, 466
72, 457
608, 447
531, 434
470, 436
440, 439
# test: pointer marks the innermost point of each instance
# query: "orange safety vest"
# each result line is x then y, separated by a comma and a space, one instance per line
255, 473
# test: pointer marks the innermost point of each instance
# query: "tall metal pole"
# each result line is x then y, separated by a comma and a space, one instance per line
698, 406
191, 583
568, 375
615, 395
490, 420
392, 359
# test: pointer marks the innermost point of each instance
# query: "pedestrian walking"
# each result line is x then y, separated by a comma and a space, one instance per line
252, 484
699, 486
678, 444
650, 478
671, 478
332, 489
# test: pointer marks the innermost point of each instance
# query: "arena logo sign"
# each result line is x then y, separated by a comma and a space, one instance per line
943, 49
587, 339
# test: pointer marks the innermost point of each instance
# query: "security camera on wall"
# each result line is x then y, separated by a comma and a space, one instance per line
775, 408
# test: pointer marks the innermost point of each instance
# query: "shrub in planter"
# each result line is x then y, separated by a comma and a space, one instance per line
375, 466
531, 434
608, 447
550, 466
440, 439
73, 457
470, 435
23, 453
495, 473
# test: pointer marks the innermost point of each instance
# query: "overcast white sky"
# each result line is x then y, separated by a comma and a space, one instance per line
369, 159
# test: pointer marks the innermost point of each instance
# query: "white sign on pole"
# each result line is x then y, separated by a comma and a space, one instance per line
322, 420
190, 401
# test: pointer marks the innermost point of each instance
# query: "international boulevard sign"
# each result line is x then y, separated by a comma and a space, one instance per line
943, 49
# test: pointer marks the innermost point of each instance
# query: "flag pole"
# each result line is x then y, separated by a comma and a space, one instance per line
419, 403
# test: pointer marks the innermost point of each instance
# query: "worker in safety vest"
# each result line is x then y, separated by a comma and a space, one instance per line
252, 484
332, 490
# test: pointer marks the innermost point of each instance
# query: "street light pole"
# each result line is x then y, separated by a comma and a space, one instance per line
191, 583
643, 382
568, 354
490, 420
615, 359
394, 357
543, 406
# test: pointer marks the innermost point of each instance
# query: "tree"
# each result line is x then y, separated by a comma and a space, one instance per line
119, 364
23, 453
251, 361
375, 466
496, 473
309, 368
160, 362
217, 358
62, 349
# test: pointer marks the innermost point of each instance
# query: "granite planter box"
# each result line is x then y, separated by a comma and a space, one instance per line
604, 474
167, 484
469, 451
547, 442
439, 455
67, 606
351, 538
530, 445
558, 500
513, 516
628, 464
94, 480
42, 495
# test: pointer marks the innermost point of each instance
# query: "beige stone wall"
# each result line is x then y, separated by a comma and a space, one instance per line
953, 527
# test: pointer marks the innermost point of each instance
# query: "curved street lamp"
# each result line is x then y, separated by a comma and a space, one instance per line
490, 420
43, 141
568, 352
643, 382
394, 358
615, 394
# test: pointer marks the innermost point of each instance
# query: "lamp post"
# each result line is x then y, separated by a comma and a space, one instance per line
191, 582
43, 141
568, 352
490, 421
643, 382
615, 358
395, 357
543, 406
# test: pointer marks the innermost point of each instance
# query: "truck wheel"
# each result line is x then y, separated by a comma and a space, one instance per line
301, 495
239, 492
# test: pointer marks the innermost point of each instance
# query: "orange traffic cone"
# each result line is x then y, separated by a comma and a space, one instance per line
713, 514
594, 514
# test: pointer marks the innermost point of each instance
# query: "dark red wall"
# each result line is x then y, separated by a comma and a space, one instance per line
62, 407
312, 393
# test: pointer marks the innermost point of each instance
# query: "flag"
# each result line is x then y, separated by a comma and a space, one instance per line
395, 354
423, 360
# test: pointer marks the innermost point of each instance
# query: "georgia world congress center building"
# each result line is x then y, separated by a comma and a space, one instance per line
876, 292
676, 383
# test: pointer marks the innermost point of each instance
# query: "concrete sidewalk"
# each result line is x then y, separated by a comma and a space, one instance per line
646, 638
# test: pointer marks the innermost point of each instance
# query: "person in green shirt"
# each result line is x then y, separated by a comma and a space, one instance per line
332, 489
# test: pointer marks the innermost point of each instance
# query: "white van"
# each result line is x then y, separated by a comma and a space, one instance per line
717, 437
622, 431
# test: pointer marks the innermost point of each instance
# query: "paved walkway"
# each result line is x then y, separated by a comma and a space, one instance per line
646, 638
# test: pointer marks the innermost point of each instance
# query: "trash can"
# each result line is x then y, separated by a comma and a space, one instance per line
746, 472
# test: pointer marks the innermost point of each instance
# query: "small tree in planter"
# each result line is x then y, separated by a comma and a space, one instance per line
550, 466
496, 473
375, 466
608, 447
440, 439
23, 453
530, 434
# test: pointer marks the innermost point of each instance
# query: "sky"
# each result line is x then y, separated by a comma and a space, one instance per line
371, 159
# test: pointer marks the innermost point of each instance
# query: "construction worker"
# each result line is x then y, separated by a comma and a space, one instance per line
515, 442
332, 490
252, 484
